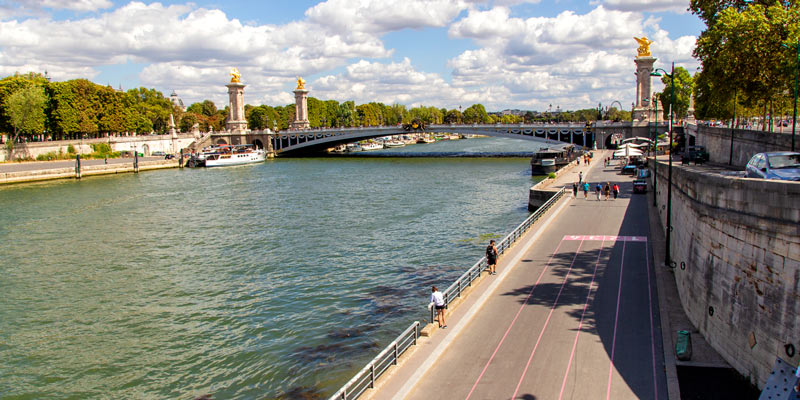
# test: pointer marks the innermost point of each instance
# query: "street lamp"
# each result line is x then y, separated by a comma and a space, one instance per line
797, 61
671, 76
655, 154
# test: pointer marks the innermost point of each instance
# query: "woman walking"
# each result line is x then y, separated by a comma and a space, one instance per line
616, 191
586, 190
574, 190
598, 190
607, 190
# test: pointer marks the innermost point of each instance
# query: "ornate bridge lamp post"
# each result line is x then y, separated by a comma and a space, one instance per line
796, 72
671, 76
655, 153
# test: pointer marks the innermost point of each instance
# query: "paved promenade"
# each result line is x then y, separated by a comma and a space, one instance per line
572, 313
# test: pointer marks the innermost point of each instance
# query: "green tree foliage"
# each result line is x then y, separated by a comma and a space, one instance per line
11, 84
25, 109
476, 114
742, 56
684, 86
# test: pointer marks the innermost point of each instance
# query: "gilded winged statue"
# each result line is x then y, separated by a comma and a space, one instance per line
644, 46
301, 83
236, 77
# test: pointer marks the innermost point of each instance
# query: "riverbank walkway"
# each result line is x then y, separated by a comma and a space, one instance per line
572, 314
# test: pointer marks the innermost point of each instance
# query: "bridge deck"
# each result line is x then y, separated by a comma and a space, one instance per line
570, 315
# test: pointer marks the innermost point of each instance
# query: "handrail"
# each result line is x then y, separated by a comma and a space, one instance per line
365, 378
466, 279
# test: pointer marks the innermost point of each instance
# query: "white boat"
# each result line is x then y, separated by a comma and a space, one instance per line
353, 147
234, 155
371, 146
393, 143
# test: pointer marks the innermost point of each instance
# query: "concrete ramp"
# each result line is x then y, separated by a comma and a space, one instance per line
780, 385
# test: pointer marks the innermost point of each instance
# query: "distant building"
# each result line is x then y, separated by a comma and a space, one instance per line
177, 101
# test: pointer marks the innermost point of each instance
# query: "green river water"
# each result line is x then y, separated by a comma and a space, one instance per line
280, 279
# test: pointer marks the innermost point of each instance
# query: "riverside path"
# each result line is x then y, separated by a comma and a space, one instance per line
572, 313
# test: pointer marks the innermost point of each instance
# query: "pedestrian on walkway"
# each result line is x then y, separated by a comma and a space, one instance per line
579, 160
580, 177
616, 191
586, 190
491, 257
607, 190
438, 301
598, 189
574, 190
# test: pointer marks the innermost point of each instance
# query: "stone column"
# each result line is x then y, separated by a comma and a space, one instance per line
300, 109
644, 67
236, 121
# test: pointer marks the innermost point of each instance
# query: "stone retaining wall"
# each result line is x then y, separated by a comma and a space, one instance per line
144, 144
736, 243
89, 170
745, 143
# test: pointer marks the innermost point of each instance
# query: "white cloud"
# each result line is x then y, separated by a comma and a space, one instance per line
677, 6
376, 16
571, 59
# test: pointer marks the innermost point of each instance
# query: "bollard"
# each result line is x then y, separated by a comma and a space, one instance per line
181, 163
78, 166
135, 161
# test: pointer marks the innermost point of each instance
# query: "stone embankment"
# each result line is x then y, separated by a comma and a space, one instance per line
736, 245
546, 188
45, 174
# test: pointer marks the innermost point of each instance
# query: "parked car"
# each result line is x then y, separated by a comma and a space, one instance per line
629, 169
640, 185
783, 165
158, 154
696, 154
169, 156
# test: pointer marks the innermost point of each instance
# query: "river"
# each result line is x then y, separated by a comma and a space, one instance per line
280, 279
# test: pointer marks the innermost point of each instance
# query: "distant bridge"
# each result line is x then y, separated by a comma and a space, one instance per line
317, 140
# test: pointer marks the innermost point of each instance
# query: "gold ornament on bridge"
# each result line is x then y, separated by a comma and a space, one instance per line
644, 46
301, 83
236, 77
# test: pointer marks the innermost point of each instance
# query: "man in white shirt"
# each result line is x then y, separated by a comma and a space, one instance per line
438, 301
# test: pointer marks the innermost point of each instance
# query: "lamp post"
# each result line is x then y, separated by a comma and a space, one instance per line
671, 76
796, 72
733, 126
655, 154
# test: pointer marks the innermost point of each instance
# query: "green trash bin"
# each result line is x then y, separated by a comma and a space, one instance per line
683, 346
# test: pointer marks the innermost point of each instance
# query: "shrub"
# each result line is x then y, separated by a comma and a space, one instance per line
71, 149
102, 148
551, 175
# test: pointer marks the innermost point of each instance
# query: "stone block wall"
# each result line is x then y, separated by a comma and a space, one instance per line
745, 143
736, 243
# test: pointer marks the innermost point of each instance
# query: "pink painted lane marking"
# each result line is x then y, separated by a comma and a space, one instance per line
521, 307
580, 324
547, 321
616, 320
605, 238
652, 331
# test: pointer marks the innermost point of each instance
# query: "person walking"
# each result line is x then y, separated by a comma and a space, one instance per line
616, 191
574, 190
438, 301
580, 177
607, 190
598, 189
586, 190
491, 257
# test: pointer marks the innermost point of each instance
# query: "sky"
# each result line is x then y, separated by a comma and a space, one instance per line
519, 54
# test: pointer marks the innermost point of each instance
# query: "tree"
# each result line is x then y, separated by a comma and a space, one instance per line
741, 53
25, 109
684, 85
476, 114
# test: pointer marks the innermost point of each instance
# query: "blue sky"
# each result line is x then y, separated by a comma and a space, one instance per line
445, 53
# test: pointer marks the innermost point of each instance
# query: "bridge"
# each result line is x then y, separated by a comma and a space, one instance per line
317, 140
310, 141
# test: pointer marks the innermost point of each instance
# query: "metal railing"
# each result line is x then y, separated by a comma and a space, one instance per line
466, 279
365, 379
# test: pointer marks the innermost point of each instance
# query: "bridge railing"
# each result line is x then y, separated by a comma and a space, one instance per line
465, 280
365, 379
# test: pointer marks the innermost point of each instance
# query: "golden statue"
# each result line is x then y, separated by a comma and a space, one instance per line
301, 84
644, 46
236, 77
